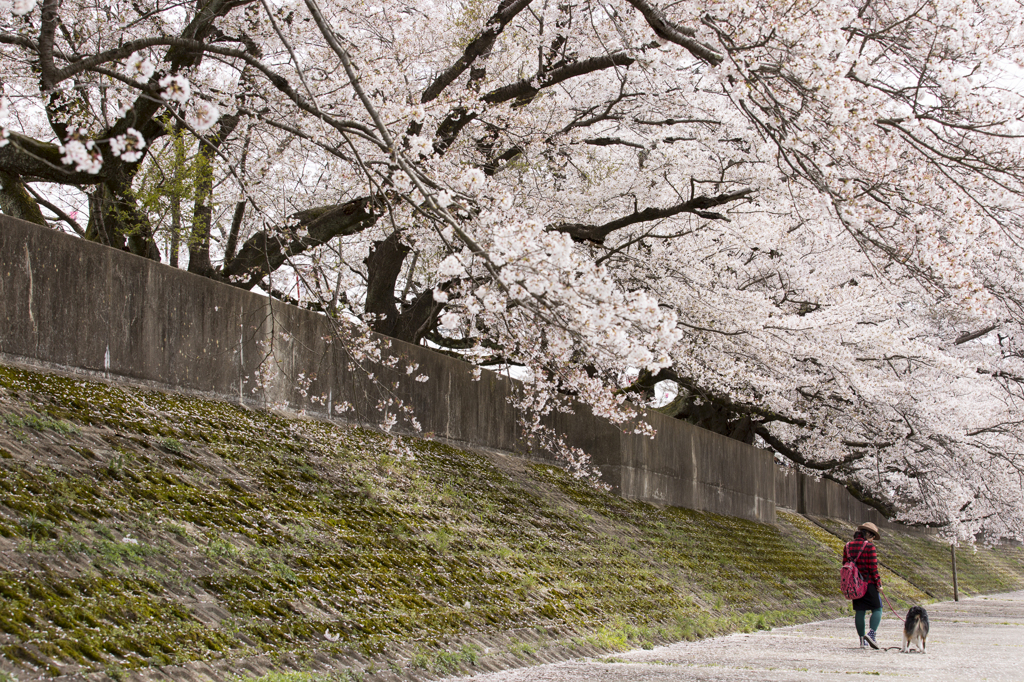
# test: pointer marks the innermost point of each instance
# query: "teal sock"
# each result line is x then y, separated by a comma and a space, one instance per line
859, 620
876, 619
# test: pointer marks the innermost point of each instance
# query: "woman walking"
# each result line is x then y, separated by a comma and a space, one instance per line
861, 551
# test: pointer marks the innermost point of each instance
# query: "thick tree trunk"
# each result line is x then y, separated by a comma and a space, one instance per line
175, 244
418, 319
99, 229
202, 217
116, 221
202, 214
712, 417
384, 265
16, 202
393, 317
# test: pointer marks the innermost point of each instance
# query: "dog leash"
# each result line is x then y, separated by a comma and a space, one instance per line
886, 597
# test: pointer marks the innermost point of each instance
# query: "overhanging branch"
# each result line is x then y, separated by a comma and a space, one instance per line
796, 456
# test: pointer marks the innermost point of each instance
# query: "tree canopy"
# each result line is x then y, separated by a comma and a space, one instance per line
796, 224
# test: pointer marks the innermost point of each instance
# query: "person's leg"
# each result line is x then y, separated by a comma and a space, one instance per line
876, 619
859, 621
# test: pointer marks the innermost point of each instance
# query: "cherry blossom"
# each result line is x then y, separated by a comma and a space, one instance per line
420, 146
84, 156
205, 116
22, 7
472, 181
402, 181
175, 89
128, 146
139, 67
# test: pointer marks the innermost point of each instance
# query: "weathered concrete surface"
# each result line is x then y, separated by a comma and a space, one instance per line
976, 639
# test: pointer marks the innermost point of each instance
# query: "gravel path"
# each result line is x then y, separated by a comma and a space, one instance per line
971, 640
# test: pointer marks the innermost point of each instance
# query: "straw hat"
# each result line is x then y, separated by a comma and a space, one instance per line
871, 528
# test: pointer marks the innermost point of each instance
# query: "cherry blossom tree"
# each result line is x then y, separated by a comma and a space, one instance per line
796, 224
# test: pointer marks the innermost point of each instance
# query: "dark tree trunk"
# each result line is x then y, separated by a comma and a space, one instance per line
202, 217
711, 416
175, 246
99, 228
394, 317
384, 265
115, 220
202, 214
15, 201
236, 225
418, 319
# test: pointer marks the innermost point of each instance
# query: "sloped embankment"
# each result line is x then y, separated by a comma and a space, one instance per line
151, 535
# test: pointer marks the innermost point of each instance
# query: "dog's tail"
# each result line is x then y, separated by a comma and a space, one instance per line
912, 622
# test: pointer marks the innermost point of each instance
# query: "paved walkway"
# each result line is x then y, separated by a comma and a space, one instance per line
971, 640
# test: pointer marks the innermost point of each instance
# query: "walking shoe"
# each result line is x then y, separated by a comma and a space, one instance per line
870, 639
863, 643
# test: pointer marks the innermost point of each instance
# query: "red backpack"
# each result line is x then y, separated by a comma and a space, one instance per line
850, 580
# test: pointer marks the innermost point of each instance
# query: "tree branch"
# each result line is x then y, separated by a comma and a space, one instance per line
525, 89
264, 253
479, 46
32, 159
970, 336
17, 202
674, 33
795, 455
698, 206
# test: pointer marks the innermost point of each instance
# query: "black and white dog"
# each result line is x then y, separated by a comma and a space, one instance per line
915, 629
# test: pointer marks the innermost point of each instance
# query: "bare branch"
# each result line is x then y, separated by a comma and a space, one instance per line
970, 336
697, 206
525, 89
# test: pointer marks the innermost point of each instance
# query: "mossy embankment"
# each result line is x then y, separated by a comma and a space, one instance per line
151, 535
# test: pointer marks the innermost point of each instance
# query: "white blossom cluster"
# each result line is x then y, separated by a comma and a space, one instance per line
175, 89
18, 7
139, 67
420, 146
82, 153
205, 116
128, 146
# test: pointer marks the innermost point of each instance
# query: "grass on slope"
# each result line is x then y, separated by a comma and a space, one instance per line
142, 529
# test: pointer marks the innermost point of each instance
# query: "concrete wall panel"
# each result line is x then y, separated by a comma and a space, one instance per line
42, 292
787, 488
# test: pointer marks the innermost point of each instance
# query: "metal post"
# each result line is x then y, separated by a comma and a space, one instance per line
956, 592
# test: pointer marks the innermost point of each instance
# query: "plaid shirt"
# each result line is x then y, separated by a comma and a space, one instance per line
867, 562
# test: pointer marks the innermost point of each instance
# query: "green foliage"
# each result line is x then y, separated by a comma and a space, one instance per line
168, 182
339, 676
446, 662
37, 423
172, 444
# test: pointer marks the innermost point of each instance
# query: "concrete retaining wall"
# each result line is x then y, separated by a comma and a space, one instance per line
80, 306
